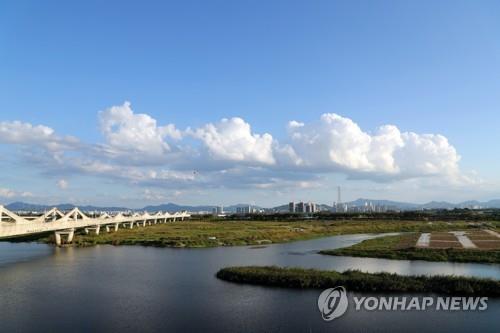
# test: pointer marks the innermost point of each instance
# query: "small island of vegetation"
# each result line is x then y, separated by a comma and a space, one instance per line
359, 281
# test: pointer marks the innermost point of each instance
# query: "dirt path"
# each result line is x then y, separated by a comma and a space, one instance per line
424, 240
464, 240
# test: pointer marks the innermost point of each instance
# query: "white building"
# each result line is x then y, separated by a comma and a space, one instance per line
245, 210
219, 210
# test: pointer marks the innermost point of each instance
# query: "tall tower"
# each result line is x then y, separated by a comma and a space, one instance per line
339, 197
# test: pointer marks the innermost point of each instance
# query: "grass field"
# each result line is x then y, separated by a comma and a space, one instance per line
359, 281
403, 247
225, 233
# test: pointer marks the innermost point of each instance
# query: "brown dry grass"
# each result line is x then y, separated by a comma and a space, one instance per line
443, 236
407, 242
488, 244
445, 244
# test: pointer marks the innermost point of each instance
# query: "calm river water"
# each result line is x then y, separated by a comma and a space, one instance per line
142, 289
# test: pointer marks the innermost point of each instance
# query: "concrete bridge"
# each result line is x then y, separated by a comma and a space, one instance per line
65, 224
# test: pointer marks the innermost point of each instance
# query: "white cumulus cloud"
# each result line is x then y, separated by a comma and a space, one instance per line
22, 133
336, 143
129, 132
233, 140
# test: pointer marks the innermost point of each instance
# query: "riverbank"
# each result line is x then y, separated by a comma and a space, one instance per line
359, 281
225, 233
402, 247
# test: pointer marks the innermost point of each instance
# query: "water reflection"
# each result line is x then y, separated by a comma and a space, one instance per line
11, 253
106, 288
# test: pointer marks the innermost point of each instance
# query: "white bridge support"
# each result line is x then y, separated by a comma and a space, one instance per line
70, 233
112, 227
96, 229
65, 224
129, 225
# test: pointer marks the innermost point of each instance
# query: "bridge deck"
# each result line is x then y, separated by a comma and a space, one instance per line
12, 224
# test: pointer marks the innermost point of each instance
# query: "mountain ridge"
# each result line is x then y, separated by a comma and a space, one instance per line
171, 207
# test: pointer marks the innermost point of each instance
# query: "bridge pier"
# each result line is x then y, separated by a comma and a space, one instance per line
96, 228
112, 227
70, 233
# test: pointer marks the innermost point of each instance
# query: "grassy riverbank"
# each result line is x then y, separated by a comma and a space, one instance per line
403, 247
359, 281
224, 233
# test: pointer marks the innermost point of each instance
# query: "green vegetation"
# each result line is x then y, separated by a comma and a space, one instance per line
359, 281
403, 247
227, 233
210, 233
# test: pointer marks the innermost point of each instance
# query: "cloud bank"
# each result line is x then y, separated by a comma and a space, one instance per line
228, 153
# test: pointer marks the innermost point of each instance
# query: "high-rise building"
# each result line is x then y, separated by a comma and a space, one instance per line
302, 207
245, 210
219, 210
339, 207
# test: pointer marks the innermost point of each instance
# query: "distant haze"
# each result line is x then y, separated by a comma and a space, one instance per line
171, 207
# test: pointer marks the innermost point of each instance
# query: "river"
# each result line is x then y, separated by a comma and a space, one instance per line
145, 289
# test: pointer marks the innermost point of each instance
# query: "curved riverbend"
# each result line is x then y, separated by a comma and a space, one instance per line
134, 288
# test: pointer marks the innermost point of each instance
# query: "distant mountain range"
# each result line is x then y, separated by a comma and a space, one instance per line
429, 205
16, 206
432, 204
169, 207
172, 207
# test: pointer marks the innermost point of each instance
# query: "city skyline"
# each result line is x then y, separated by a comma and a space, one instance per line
183, 109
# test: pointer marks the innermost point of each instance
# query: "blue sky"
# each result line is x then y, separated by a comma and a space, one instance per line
425, 67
